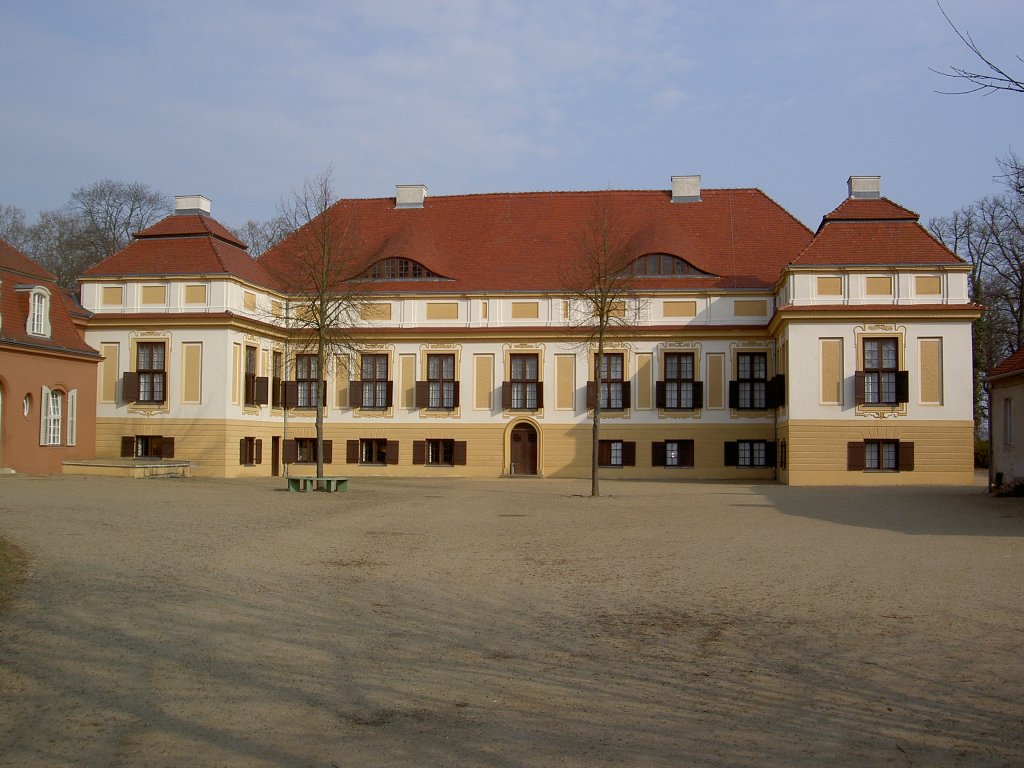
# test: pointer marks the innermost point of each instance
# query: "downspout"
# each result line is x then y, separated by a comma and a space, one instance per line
991, 441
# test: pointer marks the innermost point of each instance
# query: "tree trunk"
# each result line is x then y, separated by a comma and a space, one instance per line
595, 482
320, 409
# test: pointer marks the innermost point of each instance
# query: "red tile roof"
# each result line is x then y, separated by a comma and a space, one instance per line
190, 244
530, 241
18, 271
873, 232
1011, 365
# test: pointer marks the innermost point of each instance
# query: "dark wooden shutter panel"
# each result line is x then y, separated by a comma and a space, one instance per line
351, 451
328, 452
698, 394
391, 452
628, 454
276, 391
289, 452
130, 387
241, 451
540, 394
591, 395
855, 457
734, 396
506, 395
686, 453
906, 457
390, 395
259, 451
419, 451
627, 391
128, 446
455, 394
262, 390
657, 454
604, 452
459, 454
779, 385
659, 395
167, 448
771, 454
858, 387
902, 387
355, 395
323, 393
291, 394
422, 394
732, 454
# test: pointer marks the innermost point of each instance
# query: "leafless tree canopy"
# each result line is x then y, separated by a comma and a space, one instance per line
988, 78
603, 299
261, 236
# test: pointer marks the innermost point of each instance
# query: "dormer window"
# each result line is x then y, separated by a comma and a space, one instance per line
663, 265
38, 321
396, 268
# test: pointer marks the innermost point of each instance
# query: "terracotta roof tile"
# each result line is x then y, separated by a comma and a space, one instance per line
529, 241
1013, 364
184, 245
18, 271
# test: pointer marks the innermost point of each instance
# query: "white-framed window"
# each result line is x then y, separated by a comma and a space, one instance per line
72, 418
58, 417
38, 321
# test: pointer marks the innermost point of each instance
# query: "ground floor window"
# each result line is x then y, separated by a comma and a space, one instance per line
616, 453
302, 450
373, 451
250, 451
672, 453
750, 453
439, 452
880, 456
147, 447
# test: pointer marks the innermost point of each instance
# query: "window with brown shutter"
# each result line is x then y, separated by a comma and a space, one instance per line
880, 381
616, 453
523, 391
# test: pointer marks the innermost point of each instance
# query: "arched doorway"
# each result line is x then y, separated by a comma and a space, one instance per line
523, 450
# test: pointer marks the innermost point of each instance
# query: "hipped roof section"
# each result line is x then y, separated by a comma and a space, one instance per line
533, 241
180, 245
873, 232
1014, 364
17, 271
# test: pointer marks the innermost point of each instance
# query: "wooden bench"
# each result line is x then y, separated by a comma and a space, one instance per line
329, 484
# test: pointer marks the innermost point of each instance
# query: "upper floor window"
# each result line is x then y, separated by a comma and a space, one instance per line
375, 381
752, 380
396, 268
38, 321
881, 362
679, 380
611, 390
663, 265
524, 389
150, 367
441, 381
307, 377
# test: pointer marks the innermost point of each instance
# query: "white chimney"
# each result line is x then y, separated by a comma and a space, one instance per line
410, 195
190, 205
686, 189
865, 187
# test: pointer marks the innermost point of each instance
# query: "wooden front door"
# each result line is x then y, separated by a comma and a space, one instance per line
524, 450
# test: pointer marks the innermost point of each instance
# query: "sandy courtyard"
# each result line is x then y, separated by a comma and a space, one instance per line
510, 623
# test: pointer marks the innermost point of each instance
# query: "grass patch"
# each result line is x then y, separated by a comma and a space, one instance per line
12, 569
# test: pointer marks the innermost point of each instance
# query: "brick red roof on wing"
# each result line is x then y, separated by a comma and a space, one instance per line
1013, 364
873, 231
189, 244
19, 271
529, 241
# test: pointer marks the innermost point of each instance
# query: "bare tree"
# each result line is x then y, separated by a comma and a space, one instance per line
57, 241
261, 236
604, 304
323, 258
989, 78
111, 212
13, 228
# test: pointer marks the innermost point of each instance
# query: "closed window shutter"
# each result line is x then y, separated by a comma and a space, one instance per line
422, 394
540, 394
734, 396
392, 452
167, 448
241, 451
902, 387
591, 395
419, 452
770, 454
262, 390
459, 452
855, 457
355, 394
659, 395
72, 417
130, 387
351, 451
290, 392
259, 451
698, 394
858, 387
323, 393
906, 457
732, 454
127, 446
328, 452
390, 394
686, 453
506, 395
627, 390
455, 394
289, 452
779, 385
657, 454
629, 454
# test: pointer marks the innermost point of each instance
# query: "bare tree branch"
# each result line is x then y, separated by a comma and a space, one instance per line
989, 80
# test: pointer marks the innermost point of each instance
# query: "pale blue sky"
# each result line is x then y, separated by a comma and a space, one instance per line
240, 101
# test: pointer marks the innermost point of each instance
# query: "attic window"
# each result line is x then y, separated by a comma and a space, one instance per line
663, 265
399, 269
38, 321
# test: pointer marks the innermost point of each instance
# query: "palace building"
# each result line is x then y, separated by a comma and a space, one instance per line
755, 348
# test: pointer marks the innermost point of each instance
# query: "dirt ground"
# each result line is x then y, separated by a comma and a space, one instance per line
510, 623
